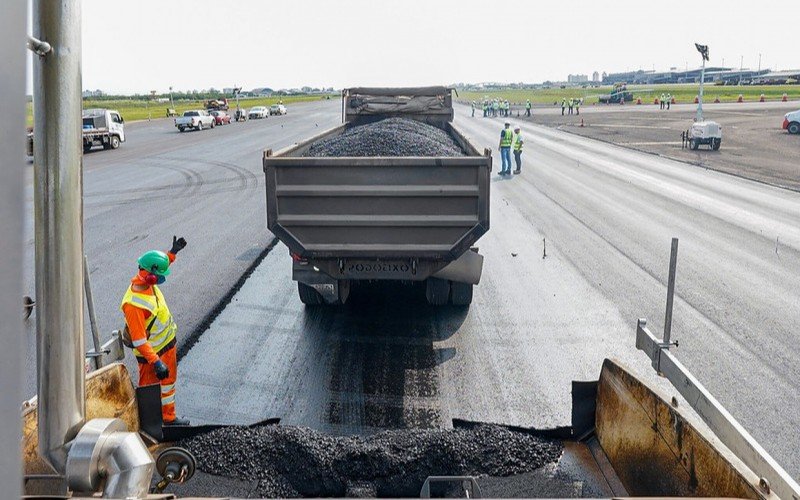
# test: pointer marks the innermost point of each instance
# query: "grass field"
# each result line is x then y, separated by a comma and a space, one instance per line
681, 93
139, 109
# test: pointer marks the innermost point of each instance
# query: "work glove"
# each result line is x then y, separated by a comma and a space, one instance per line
178, 244
162, 371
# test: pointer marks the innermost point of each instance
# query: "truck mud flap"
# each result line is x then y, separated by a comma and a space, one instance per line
466, 269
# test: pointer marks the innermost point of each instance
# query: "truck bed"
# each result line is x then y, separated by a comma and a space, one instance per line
431, 208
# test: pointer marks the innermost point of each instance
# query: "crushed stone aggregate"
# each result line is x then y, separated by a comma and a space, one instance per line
388, 137
297, 461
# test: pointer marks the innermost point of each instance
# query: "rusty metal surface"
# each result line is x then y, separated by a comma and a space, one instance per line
109, 394
655, 450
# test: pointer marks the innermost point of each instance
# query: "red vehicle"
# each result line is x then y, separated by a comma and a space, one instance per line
221, 117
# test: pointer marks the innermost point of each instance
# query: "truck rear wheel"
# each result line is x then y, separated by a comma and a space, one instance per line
437, 291
87, 147
114, 142
794, 128
460, 293
715, 144
694, 144
308, 295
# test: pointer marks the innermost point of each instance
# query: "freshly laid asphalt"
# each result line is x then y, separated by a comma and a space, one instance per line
603, 214
207, 186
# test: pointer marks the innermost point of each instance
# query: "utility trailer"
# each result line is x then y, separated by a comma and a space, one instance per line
407, 219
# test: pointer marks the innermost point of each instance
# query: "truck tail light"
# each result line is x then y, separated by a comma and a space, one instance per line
297, 258
785, 123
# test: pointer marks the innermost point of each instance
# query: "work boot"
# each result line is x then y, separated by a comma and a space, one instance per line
518, 171
178, 421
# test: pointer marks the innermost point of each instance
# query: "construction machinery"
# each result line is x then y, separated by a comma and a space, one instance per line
410, 219
619, 93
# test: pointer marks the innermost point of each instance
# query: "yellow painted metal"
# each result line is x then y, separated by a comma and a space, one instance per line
109, 393
658, 449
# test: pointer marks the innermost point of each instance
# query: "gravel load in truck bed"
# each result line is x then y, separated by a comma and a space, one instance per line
297, 461
389, 137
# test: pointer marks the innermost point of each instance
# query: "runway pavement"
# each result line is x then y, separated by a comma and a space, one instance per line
607, 215
207, 186
388, 360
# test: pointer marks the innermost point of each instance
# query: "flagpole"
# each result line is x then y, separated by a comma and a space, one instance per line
700, 96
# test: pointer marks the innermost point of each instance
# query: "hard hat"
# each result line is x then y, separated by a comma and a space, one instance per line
156, 262
508, 124
516, 127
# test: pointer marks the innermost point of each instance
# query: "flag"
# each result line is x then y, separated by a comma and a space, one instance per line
703, 49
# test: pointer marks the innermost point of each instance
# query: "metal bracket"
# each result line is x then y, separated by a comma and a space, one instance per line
473, 491
38, 47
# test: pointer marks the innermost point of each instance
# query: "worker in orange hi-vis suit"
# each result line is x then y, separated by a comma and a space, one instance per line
151, 328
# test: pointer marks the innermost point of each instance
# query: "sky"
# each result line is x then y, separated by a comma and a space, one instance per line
135, 46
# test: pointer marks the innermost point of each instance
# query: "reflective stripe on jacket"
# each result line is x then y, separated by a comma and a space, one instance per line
518, 142
161, 328
506, 138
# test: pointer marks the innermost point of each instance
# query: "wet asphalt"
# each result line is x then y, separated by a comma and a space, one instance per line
387, 360
605, 215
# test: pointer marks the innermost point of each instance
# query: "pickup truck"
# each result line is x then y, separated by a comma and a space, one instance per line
406, 219
197, 119
102, 127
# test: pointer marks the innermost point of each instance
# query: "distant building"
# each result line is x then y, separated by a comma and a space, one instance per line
712, 74
595, 76
577, 78
93, 93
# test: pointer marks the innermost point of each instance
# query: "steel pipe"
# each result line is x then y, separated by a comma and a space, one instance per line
58, 225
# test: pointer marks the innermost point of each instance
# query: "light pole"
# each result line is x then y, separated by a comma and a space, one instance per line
703, 49
171, 102
152, 96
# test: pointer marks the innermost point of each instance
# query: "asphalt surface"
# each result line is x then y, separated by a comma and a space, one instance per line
606, 215
387, 360
754, 145
207, 186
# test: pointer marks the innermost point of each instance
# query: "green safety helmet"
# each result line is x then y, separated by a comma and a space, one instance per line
156, 262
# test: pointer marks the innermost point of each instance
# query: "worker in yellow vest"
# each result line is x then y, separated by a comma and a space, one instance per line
517, 147
506, 139
150, 329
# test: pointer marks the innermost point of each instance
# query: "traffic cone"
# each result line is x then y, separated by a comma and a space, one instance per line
761, 99
740, 99
581, 122
638, 100
655, 101
716, 100
696, 99
785, 97
672, 101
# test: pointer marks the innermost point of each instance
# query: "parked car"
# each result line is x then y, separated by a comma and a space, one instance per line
240, 115
196, 119
258, 112
221, 117
277, 109
791, 122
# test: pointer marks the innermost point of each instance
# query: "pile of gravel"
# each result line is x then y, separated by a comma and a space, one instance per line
296, 461
389, 137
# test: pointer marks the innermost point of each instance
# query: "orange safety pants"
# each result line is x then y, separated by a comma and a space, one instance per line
147, 376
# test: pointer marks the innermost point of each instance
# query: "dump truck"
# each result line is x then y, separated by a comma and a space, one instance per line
410, 219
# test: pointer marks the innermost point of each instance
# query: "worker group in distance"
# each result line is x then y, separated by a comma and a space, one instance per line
498, 107
571, 105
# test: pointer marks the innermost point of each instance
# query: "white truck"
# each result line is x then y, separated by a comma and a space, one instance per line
102, 127
197, 119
